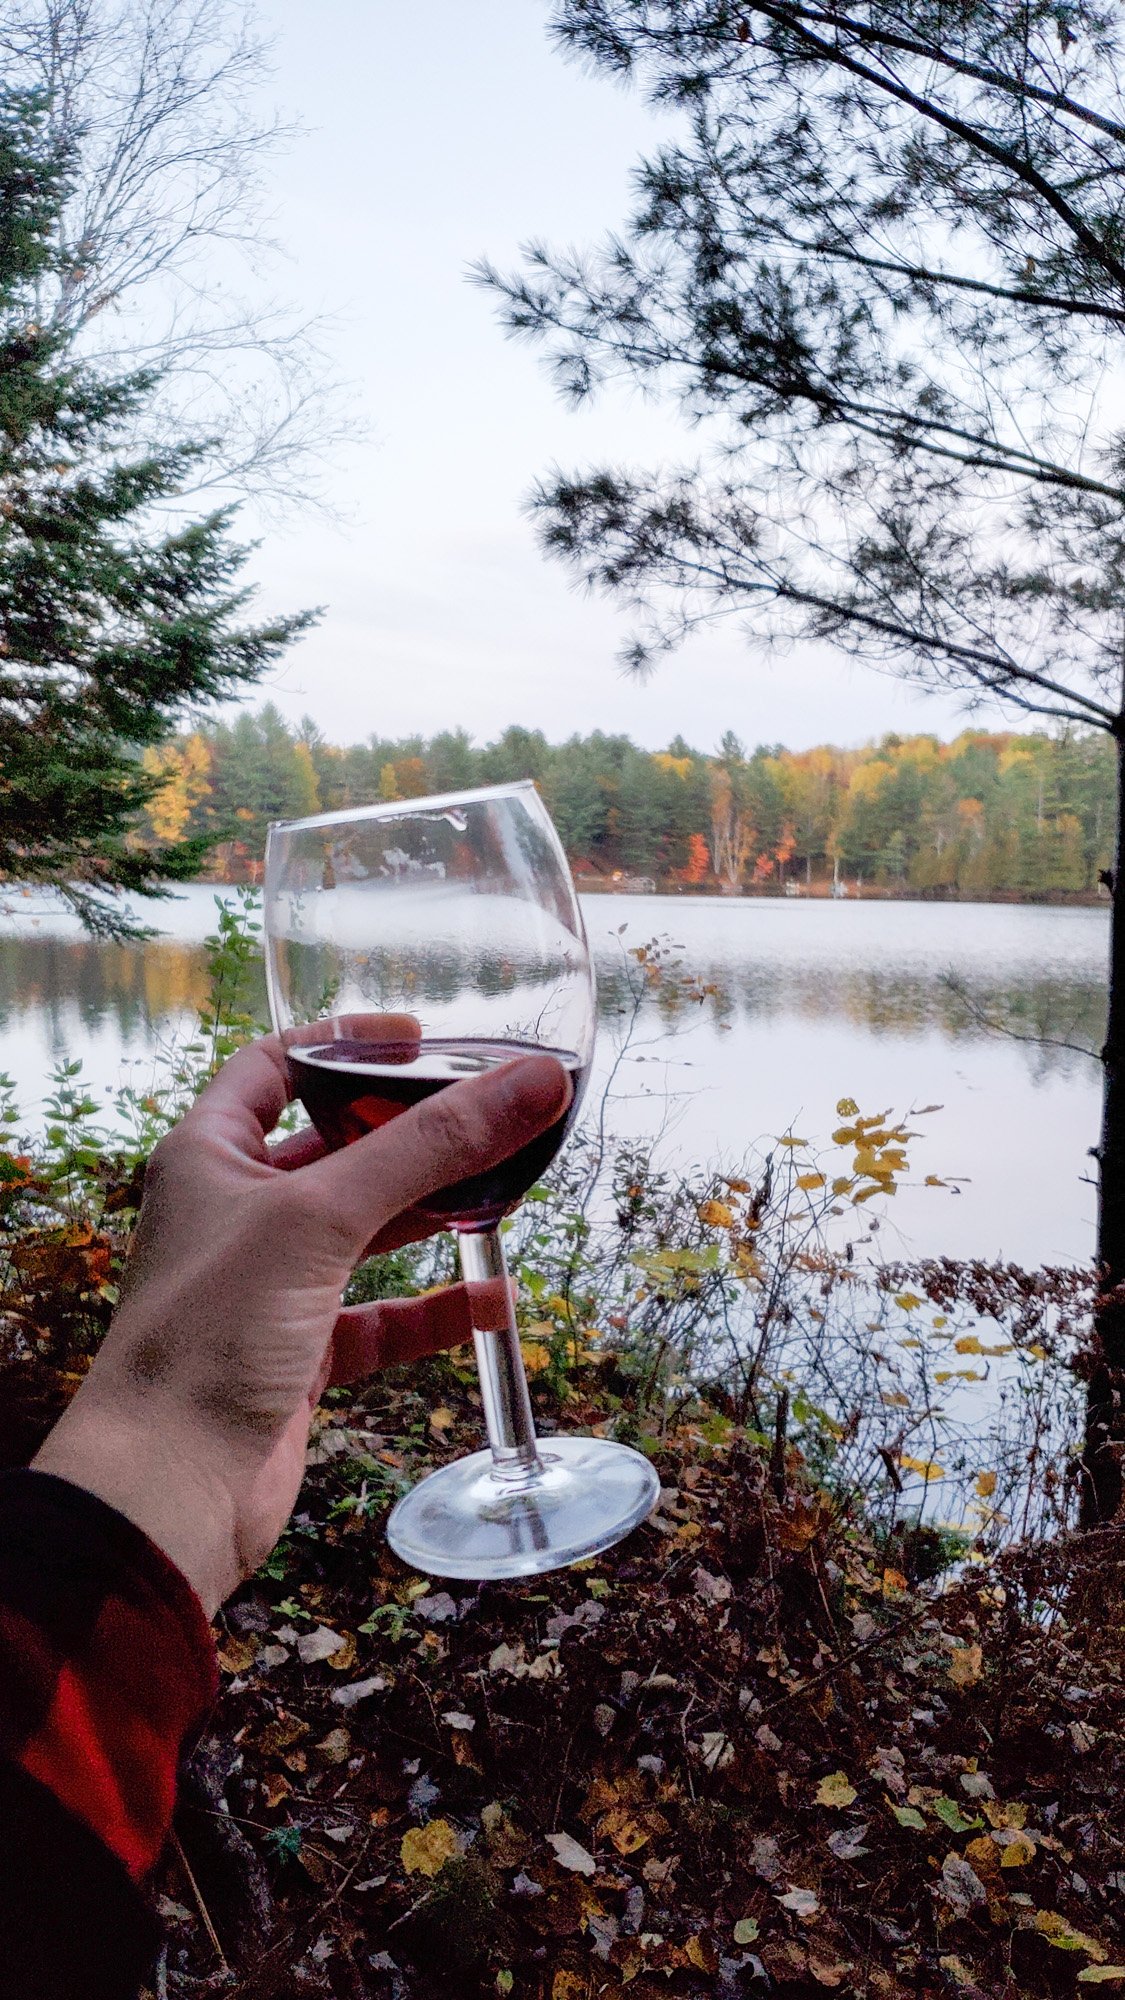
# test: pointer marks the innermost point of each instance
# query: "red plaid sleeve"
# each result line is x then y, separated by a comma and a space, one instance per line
106, 1664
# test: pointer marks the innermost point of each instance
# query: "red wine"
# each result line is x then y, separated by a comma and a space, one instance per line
350, 1088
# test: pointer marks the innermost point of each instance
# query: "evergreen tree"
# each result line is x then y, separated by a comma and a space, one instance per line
881, 266
113, 620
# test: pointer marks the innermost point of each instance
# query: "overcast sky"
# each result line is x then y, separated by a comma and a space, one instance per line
435, 135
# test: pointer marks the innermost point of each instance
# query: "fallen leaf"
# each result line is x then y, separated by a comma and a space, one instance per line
746, 1930
957, 1970
457, 1719
700, 1952
966, 1665
950, 1814
319, 1644
1058, 1932
441, 1419
909, 1816
627, 1834
977, 1785
829, 1975
802, 1902
1102, 1975
569, 1985
235, 1655
847, 1843
507, 1843
426, 1849
765, 1857
335, 1746
1017, 1852
713, 1589
961, 1885
357, 1691
507, 1659
343, 1659
718, 1750
836, 1791
437, 1607
570, 1854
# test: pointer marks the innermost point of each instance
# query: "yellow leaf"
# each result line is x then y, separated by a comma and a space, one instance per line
789, 1140
940, 1320
865, 1193
343, 1659
932, 1180
836, 1791
569, 1985
626, 1833
1018, 1852
986, 1485
966, 1666
536, 1356
909, 1301
1058, 1932
926, 1468
968, 1344
894, 1583
842, 1183
847, 1108
1102, 1975
716, 1214
426, 1849
1039, 1353
809, 1181
441, 1419
895, 1400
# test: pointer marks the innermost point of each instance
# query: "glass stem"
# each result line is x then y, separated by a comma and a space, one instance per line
503, 1380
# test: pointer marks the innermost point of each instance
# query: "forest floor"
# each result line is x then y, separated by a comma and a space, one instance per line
747, 1751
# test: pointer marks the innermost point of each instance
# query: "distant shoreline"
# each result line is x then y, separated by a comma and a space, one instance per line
816, 892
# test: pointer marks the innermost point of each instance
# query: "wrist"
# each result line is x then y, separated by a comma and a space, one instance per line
160, 1478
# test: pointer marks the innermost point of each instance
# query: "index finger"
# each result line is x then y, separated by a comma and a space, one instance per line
248, 1095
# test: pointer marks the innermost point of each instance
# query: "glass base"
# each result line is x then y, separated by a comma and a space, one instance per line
465, 1520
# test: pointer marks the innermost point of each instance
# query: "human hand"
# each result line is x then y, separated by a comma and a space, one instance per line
194, 1418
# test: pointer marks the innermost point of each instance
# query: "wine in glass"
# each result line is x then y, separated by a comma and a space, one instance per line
461, 912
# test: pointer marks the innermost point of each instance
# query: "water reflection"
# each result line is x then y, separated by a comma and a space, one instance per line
138, 990
806, 1004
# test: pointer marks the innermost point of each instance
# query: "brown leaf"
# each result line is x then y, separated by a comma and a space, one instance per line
235, 1655
335, 1746
966, 1666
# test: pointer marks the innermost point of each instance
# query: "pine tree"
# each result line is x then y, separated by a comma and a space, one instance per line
880, 266
115, 616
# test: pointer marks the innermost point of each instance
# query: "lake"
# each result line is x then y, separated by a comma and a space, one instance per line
811, 1002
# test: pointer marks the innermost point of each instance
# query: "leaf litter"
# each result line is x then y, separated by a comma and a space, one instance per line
726, 1762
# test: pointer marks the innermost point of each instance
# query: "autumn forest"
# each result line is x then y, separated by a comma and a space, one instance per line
1007, 815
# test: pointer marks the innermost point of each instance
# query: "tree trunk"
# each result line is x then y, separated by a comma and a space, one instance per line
1103, 1480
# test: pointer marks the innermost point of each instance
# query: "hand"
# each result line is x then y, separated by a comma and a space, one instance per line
194, 1418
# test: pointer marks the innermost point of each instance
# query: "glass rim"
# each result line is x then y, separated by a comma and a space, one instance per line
396, 808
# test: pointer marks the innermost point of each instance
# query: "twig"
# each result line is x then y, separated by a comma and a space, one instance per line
845, 1660
200, 1905
986, 1020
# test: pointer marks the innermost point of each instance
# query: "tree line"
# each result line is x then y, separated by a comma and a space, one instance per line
1028, 815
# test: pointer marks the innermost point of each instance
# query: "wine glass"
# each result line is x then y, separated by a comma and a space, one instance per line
460, 911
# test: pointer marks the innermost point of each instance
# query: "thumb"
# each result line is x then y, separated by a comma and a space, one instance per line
461, 1130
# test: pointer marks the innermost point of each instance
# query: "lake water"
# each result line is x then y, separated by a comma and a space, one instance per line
812, 1002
